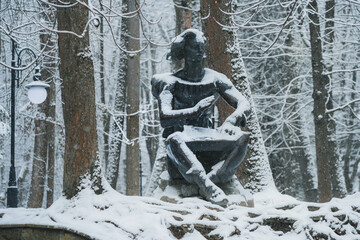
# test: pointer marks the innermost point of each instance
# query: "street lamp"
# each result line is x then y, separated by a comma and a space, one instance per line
37, 94
37, 89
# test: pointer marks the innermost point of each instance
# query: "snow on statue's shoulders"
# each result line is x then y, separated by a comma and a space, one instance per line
210, 76
217, 76
165, 77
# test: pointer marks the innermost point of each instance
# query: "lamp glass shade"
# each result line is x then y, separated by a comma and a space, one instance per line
37, 94
37, 91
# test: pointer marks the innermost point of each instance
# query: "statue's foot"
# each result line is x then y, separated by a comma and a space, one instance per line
214, 195
219, 199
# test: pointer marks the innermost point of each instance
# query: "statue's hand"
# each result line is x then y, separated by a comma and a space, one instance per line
229, 128
241, 121
204, 104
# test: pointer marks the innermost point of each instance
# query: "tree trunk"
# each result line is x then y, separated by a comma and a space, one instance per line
48, 74
224, 55
78, 95
51, 158
106, 117
152, 130
310, 191
320, 95
24, 177
132, 81
217, 58
2, 162
349, 178
151, 127
112, 169
39, 162
303, 156
44, 154
0, 34
336, 173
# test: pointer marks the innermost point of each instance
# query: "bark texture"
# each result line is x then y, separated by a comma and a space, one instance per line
44, 152
132, 84
320, 95
39, 164
24, 176
106, 117
336, 173
50, 71
0, 34
351, 142
78, 95
217, 56
151, 129
112, 168
224, 55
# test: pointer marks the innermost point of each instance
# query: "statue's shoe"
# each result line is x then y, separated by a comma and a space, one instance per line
214, 195
219, 199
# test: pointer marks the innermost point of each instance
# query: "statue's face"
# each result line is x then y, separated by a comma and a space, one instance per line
194, 51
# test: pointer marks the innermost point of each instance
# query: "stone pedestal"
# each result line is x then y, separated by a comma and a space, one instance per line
37, 232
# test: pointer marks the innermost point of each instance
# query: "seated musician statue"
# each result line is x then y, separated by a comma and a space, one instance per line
185, 102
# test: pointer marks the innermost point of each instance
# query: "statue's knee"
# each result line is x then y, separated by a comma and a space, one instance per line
172, 169
243, 140
172, 144
241, 146
226, 175
174, 139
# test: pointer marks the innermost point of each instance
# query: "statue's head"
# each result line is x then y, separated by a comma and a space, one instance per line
189, 44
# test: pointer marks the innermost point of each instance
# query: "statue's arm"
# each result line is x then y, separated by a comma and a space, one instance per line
170, 116
237, 100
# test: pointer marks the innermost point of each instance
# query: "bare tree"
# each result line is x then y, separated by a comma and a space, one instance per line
224, 55
217, 57
117, 125
106, 116
0, 34
132, 85
78, 94
351, 143
44, 149
320, 95
151, 128
336, 174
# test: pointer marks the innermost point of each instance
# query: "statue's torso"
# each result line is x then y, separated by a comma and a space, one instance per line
187, 94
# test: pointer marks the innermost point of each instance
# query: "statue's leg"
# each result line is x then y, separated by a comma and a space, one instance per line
172, 169
233, 158
192, 170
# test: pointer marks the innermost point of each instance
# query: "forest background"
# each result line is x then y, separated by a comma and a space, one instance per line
302, 68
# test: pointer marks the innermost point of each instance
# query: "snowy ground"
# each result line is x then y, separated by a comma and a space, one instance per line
115, 216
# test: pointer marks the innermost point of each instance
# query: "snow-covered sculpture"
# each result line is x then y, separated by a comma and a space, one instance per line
197, 153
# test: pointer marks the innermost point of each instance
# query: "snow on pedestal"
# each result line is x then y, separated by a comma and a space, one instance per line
113, 216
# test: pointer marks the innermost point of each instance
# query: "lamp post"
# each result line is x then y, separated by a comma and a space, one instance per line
36, 95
